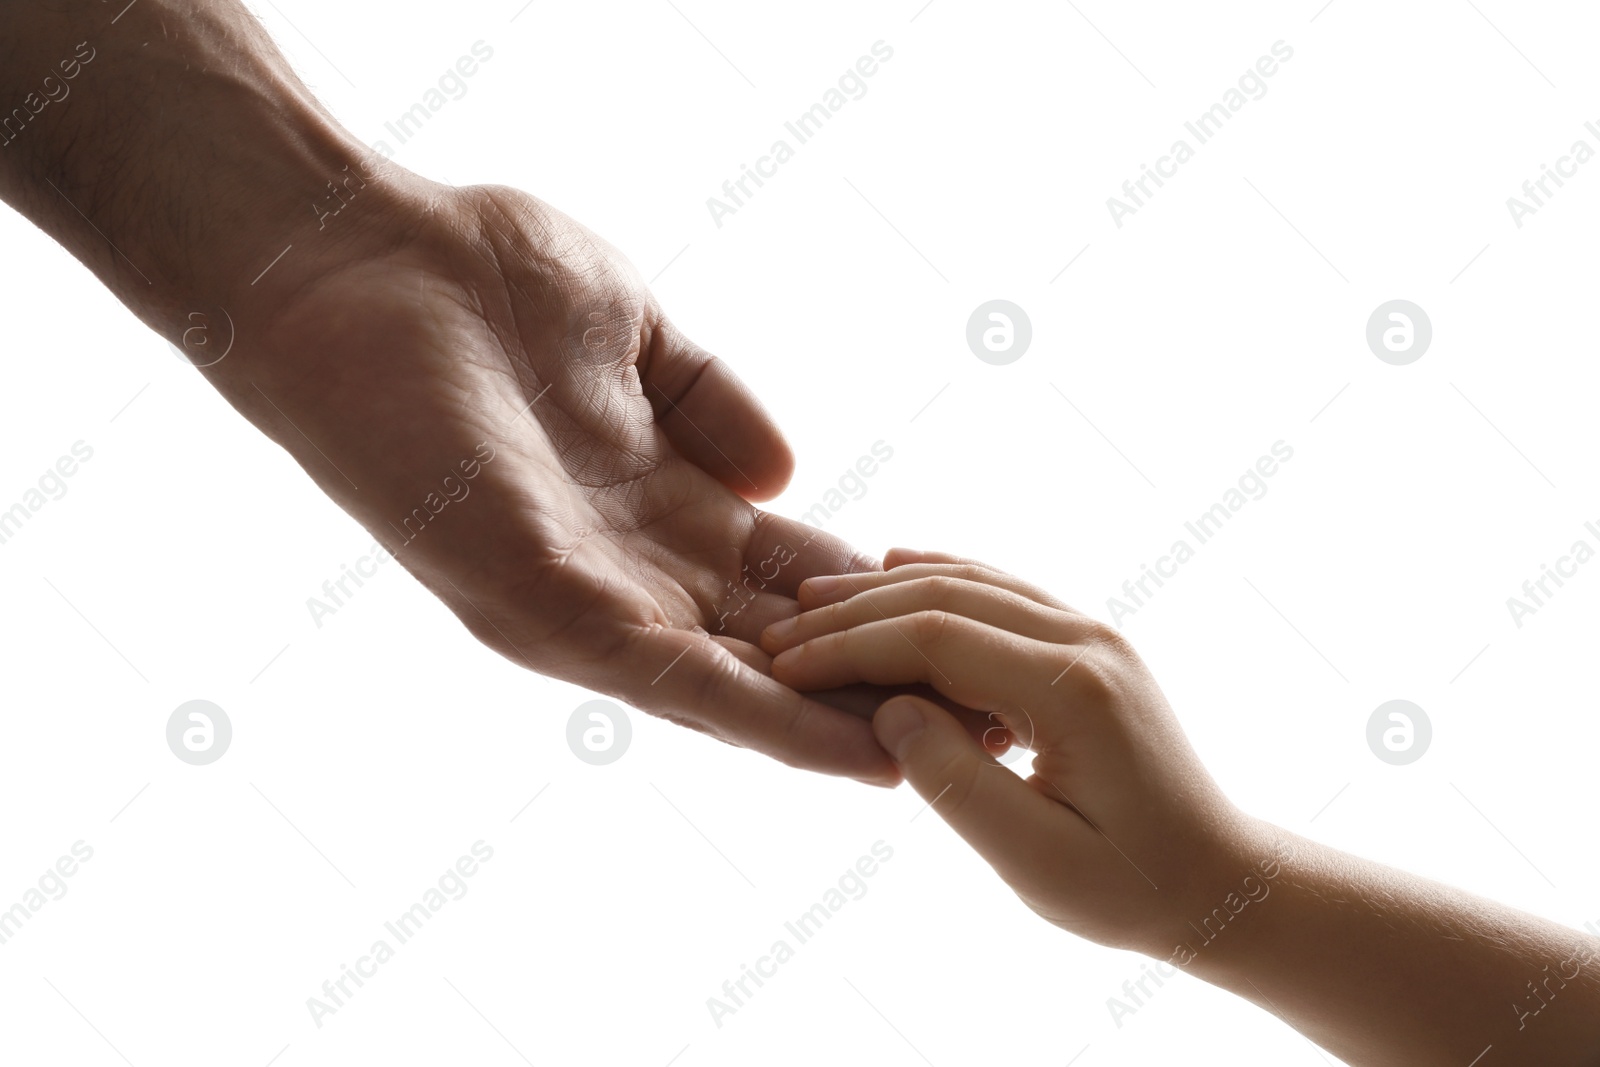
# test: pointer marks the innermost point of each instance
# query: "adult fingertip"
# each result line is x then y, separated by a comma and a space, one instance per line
996, 740
710, 414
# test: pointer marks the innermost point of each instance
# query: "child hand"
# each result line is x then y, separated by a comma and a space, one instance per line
1120, 834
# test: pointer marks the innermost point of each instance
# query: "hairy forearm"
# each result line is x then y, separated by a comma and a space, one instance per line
169, 146
1383, 967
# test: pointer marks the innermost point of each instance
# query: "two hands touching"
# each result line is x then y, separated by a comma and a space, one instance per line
616, 529
614, 539
614, 542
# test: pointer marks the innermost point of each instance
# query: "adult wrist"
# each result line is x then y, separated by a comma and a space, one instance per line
183, 162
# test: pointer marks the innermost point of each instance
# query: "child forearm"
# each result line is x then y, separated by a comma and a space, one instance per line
1383, 967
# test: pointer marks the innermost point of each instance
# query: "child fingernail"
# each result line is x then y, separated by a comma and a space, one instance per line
822, 586
780, 630
897, 725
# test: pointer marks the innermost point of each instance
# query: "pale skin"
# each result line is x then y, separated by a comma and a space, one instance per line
1119, 835
612, 539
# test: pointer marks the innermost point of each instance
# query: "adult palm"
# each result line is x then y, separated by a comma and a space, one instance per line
455, 331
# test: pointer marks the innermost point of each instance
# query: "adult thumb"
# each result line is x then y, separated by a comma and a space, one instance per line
712, 417
995, 811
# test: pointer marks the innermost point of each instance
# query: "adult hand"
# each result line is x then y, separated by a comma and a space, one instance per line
613, 460
392, 334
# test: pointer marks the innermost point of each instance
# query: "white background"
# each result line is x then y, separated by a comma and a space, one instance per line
1226, 315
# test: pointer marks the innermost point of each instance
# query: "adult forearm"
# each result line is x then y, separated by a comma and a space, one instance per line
169, 146
1383, 967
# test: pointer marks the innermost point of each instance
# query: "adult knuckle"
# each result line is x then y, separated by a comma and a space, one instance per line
791, 744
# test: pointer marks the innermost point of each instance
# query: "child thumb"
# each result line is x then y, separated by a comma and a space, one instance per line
994, 810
